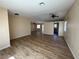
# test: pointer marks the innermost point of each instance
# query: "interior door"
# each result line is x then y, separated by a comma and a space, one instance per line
56, 28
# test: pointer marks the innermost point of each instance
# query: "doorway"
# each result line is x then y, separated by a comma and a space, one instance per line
56, 28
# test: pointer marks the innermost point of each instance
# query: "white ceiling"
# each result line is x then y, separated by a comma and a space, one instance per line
31, 8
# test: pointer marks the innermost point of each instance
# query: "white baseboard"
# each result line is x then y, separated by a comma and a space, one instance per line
19, 37
47, 34
4, 47
72, 51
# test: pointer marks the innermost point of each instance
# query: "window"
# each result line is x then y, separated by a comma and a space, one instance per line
38, 26
65, 26
55, 25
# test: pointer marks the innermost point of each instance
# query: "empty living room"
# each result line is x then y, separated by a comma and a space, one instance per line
39, 29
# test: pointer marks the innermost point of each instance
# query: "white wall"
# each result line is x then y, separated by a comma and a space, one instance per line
61, 28
42, 28
72, 34
19, 26
49, 28
4, 29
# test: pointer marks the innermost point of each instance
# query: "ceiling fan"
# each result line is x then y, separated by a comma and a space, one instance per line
53, 15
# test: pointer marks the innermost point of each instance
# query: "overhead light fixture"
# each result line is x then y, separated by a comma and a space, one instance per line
42, 3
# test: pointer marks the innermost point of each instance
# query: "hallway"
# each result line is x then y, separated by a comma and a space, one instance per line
37, 47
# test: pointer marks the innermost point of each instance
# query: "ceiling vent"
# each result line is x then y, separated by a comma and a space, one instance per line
16, 14
42, 3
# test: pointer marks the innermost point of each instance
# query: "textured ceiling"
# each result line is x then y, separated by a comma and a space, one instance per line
31, 8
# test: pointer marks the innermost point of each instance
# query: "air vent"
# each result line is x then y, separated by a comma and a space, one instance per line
42, 3
16, 14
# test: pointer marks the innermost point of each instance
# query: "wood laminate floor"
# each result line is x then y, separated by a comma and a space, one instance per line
37, 46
